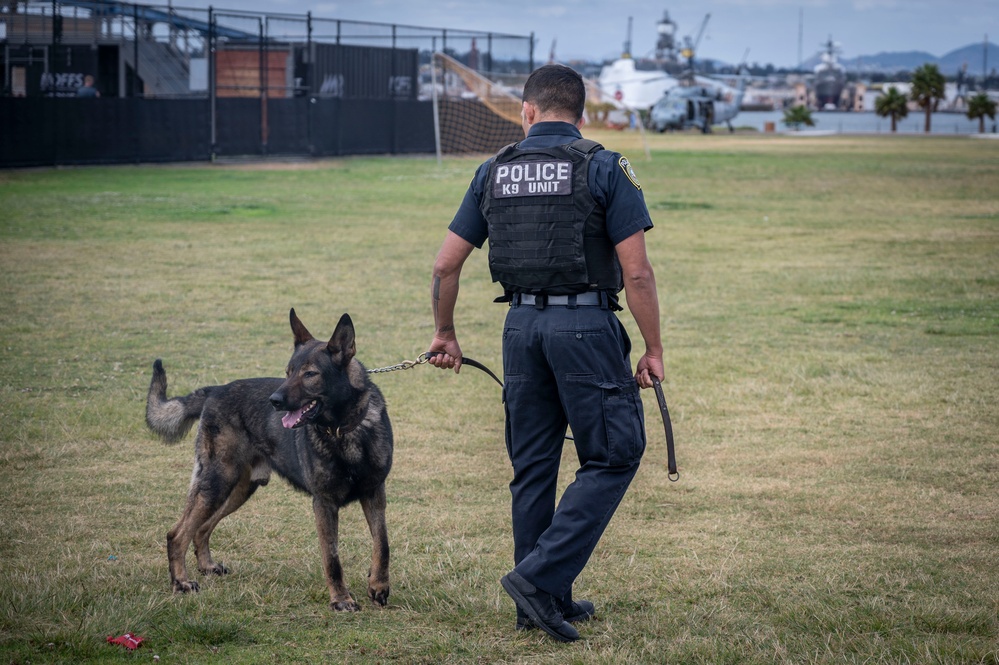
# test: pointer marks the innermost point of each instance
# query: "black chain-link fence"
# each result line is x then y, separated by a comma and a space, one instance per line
221, 82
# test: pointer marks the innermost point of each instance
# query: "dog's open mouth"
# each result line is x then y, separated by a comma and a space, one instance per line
298, 418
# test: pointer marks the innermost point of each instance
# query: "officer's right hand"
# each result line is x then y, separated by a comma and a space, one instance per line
446, 354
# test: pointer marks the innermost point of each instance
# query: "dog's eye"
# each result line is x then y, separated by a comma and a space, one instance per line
310, 374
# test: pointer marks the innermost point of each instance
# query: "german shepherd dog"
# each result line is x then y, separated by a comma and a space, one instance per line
333, 442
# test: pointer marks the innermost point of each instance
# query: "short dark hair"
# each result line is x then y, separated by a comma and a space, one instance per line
556, 89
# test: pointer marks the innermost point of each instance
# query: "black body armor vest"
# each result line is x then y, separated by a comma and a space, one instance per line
546, 232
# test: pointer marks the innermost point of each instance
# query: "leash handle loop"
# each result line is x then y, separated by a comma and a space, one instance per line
672, 474
465, 360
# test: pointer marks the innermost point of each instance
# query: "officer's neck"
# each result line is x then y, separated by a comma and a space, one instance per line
531, 116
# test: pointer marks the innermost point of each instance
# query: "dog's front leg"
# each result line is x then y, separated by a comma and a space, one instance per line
327, 526
378, 575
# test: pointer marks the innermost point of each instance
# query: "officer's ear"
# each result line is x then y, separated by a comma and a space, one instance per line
581, 122
529, 113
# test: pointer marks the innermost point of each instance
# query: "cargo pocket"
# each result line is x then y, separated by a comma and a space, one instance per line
509, 382
506, 423
624, 422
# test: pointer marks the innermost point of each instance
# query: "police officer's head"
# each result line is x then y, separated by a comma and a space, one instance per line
556, 92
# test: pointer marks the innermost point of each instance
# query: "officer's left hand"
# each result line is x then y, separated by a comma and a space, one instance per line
649, 366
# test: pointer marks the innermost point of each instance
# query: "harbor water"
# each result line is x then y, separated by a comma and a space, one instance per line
867, 122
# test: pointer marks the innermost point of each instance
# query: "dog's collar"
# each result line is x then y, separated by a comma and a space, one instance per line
353, 423
338, 432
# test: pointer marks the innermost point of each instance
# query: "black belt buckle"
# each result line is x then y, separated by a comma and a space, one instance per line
540, 301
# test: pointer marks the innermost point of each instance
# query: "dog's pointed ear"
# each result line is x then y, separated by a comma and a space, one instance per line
302, 335
341, 344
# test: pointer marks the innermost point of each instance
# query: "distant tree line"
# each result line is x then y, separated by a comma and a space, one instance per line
926, 90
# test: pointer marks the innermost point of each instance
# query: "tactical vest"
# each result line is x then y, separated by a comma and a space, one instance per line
546, 232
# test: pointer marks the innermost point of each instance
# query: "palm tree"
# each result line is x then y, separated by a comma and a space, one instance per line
796, 116
893, 103
927, 89
980, 106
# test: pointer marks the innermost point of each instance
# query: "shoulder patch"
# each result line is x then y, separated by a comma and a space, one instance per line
628, 171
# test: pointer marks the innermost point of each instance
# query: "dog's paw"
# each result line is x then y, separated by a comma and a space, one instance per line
379, 595
185, 586
348, 605
214, 569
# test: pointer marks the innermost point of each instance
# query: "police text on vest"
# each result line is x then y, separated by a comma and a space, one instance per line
534, 178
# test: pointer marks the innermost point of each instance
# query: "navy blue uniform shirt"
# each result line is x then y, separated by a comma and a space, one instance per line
609, 181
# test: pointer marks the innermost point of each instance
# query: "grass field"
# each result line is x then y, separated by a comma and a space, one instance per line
831, 323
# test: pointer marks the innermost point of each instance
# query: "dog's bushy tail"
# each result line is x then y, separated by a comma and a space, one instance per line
171, 418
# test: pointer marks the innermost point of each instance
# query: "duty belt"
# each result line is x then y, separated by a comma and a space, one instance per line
585, 299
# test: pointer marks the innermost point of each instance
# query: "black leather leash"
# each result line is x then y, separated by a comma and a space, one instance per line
672, 473
465, 360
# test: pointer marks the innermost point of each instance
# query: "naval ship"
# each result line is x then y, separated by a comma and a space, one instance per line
830, 78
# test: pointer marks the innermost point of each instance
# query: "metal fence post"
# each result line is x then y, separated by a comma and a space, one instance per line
392, 95
212, 82
310, 84
135, 51
433, 92
262, 25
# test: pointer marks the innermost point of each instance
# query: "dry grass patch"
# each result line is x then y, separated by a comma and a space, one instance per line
832, 331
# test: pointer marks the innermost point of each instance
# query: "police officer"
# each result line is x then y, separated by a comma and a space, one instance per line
566, 223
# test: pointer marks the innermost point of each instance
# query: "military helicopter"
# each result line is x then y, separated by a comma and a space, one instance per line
698, 102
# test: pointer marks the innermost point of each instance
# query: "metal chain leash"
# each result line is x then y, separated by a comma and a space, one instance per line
405, 364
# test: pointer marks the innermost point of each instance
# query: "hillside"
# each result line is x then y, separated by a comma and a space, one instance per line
949, 64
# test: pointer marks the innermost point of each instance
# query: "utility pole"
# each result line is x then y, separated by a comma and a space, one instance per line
801, 23
627, 44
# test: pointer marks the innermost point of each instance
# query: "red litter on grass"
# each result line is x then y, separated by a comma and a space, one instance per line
128, 640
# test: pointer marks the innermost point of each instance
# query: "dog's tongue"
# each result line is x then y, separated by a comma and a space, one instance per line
291, 418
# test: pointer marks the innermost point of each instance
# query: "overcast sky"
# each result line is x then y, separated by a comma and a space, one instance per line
597, 29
